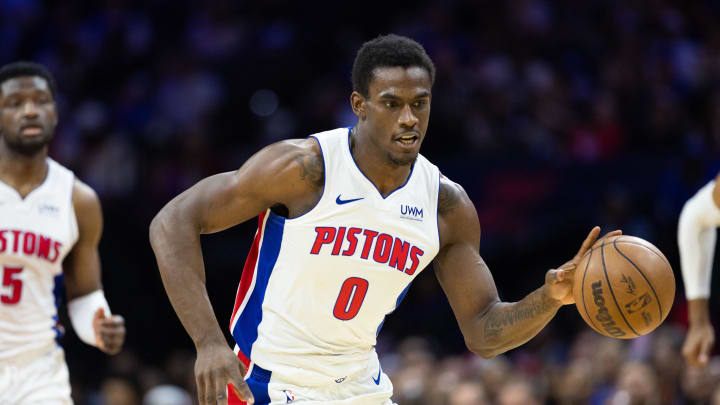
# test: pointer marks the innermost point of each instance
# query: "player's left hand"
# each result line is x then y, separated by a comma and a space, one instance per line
559, 282
109, 332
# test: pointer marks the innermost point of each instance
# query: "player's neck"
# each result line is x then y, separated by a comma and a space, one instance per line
20, 171
374, 164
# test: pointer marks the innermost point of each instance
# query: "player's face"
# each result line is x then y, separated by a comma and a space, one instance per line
27, 114
398, 110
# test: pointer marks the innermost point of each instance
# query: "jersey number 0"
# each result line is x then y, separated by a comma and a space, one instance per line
350, 299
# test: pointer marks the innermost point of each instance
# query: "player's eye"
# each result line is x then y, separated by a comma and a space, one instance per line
13, 102
419, 103
390, 104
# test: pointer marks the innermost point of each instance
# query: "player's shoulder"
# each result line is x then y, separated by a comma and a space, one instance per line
288, 158
305, 149
451, 197
84, 198
305, 145
289, 150
457, 217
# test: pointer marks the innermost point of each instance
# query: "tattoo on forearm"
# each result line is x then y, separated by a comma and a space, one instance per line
448, 198
497, 321
311, 169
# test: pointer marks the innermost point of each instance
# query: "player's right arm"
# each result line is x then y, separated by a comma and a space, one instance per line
489, 326
696, 242
288, 173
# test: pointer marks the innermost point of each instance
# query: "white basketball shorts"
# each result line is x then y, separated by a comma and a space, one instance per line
39, 380
368, 387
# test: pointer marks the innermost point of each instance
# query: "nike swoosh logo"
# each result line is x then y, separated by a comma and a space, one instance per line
340, 202
377, 381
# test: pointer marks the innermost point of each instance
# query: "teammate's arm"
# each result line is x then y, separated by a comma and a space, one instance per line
491, 327
696, 242
285, 173
87, 306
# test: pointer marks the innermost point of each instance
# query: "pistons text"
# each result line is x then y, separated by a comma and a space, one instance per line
369, 244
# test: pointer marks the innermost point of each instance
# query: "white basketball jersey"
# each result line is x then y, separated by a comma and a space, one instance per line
315, 289
36, 233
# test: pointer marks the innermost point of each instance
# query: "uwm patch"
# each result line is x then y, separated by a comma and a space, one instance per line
411, 212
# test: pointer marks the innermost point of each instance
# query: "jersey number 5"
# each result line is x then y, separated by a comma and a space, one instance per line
14, 283
350, 299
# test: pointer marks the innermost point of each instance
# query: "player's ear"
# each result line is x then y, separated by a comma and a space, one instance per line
357, 102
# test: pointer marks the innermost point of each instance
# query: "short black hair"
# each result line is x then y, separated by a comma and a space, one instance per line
23, 68
388, 51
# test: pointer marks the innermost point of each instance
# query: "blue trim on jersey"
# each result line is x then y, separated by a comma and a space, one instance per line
245, 332
400, 299
412, 168
258, 384
58, 293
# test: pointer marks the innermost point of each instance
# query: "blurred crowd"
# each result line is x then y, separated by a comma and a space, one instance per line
156, 94
591, 370
553, 115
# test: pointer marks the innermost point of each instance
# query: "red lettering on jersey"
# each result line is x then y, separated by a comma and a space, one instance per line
56, 249
353, 241
369, 236
43, 249
325, 235
29, 243
339, 241
16, 239
382, 248
414, 253
399, 254
385, 248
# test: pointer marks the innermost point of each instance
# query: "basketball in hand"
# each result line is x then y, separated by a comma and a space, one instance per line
624, 287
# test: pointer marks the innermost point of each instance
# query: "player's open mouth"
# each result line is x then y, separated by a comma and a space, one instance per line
408, 140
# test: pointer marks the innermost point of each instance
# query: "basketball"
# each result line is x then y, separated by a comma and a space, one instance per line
624, 287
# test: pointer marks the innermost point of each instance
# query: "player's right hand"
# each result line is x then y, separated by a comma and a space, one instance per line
698, 344
216, 367
559, 282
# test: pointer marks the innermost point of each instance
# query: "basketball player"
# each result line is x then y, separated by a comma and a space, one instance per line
696, 242
347, 219
50, 225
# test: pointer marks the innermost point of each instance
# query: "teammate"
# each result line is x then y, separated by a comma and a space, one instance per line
696, 242
347, 219
50, 226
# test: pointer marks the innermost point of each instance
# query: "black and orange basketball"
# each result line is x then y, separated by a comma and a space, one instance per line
624, 287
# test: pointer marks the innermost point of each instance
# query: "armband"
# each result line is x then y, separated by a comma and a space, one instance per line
82, 311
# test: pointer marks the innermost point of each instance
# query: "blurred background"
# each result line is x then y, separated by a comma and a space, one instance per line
554, 115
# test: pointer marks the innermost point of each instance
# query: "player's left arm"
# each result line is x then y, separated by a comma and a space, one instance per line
87, 306
489, 326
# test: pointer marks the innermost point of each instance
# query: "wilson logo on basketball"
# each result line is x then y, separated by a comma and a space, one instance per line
603, 315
